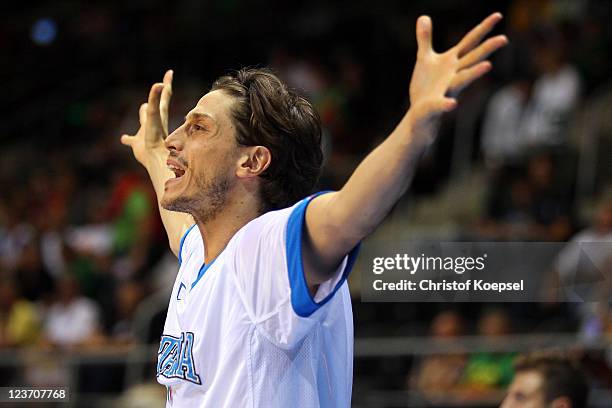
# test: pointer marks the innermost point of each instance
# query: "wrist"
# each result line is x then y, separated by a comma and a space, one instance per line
155, 159
417, 131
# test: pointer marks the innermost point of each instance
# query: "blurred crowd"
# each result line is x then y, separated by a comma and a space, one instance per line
81, 243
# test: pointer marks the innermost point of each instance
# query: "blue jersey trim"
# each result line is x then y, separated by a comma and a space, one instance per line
301, 299
180, 258
202, 271
178, 294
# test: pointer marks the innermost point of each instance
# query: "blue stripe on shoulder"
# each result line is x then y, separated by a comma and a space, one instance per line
302, 301
180, 254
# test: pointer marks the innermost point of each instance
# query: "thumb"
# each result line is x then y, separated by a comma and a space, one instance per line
127, 140
434, 107
423, 33
446, 104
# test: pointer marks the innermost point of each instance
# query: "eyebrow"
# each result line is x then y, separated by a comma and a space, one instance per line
199, 115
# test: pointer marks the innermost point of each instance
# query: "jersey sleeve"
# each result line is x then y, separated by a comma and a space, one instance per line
270, 276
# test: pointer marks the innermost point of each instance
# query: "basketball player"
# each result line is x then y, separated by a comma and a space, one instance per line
260, 313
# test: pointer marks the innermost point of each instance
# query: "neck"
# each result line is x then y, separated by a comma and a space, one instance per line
219, 229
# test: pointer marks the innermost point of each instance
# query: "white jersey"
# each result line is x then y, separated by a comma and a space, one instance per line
244, 331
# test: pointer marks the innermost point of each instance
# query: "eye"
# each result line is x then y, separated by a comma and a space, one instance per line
197, 128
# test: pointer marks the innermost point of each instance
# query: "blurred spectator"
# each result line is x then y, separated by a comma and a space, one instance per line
440, 374
503, 133
486, 372
15, 234
595, 242
19, 320
33, 278
587, 254
131, 208
53, 220
128, 295
584, 270
542, 381
555, 93
535, 207
551, 200
72, 320
509, 209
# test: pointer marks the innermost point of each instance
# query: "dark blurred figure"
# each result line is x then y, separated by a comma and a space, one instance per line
439, 374
15, 233
52, 221
128, 295
531, 203
551, 200
546, 382
33, 278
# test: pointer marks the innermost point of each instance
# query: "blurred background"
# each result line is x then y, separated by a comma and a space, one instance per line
85, 272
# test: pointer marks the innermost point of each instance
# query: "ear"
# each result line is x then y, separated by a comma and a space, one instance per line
253, 161
561, 402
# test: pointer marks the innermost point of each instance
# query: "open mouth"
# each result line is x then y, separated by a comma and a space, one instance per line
178, 172
176, 168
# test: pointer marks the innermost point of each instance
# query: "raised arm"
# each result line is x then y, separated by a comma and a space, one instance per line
336, 222
148, 148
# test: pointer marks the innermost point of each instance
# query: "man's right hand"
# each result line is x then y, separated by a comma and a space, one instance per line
148, 142
149, 149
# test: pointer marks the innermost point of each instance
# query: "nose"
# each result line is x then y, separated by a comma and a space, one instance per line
174, 141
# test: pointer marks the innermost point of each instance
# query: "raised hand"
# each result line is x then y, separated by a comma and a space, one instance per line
438, 77
148, 148
153, 115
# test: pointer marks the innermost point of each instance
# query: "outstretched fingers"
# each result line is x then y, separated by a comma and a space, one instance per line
476, 35
469, 75
481, 52
153, 115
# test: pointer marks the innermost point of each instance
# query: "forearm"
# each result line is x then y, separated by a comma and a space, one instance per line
380, 180
337, 222
175, 223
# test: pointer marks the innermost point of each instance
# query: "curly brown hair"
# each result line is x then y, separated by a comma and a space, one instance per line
267, 113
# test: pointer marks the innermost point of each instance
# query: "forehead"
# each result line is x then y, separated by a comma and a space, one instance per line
527, 382
215, 104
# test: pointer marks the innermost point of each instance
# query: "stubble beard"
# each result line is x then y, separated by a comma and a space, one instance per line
207, 203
